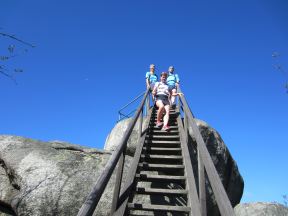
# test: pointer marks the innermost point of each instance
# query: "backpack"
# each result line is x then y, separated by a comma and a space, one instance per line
150, 76
174, 80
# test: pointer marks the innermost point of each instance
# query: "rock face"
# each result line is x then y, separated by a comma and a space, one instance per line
54, 178
49, 178
223, 161
261, 209
117, 133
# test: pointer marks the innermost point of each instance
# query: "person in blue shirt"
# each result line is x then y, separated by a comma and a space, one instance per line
173, 83
151, 77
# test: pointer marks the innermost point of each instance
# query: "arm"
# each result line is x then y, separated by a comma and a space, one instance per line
147, 83
155, 89
177, 94
147, 80
177, 80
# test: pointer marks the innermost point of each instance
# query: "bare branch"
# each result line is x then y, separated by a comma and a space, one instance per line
17, 39
9, 76
5, 58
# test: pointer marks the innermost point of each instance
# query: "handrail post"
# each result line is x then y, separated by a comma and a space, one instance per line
118, 182
193, 200
140, 123
94, 196
186, 129
221, 196
148, 103
202, 187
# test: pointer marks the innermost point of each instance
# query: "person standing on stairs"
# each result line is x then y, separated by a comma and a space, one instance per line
173, 83
151, 77
162, 94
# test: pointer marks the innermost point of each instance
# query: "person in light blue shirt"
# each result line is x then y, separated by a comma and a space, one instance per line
173, 83
151, 77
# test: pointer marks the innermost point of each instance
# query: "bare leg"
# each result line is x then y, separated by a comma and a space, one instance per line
166, 117
173, 97
160, 106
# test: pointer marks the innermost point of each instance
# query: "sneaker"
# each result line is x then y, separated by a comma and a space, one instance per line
165, 128
159, 124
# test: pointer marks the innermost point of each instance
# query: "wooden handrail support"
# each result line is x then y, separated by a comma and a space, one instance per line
132, 171
94, 196
222, 199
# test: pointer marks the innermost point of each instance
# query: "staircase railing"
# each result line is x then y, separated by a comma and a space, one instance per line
122, 114
118, 156
205, 163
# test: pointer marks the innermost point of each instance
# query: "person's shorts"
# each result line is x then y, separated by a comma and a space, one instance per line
163, 98
152, 86
171, 87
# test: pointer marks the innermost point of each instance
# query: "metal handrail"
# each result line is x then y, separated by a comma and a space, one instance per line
222, 199
94, 196
128, 115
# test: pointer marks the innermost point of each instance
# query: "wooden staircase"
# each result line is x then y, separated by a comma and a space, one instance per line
160, 180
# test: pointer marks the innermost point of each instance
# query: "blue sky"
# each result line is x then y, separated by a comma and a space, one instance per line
91, 57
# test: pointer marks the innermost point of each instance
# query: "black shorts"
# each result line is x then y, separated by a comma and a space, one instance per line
163, 98
171, 87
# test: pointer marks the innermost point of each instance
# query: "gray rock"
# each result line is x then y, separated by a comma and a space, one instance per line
117, 132
261, 209
54, 178
49, 178
223, 161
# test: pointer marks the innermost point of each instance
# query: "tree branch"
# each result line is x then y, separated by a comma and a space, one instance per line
9, 76
17, 39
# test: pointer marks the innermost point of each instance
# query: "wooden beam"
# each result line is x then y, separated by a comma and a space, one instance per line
117, 183
222, 199
94, 196
192, 189
202, 186
132, 171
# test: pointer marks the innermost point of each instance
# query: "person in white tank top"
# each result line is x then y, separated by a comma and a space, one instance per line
162, 94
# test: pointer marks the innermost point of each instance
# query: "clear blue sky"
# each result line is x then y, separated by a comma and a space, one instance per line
91, 58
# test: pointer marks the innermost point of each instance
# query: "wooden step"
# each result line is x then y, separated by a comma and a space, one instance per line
165, 159
149, 207
159, 178
167, 169
164, 136
171, 157
162, 141
172, 127
171, 117
162, 150
153, 122
141, 213
160, 132
159, 167
151, 143
150, 191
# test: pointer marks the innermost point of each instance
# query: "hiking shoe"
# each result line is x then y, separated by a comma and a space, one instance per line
165, 128
159, 124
